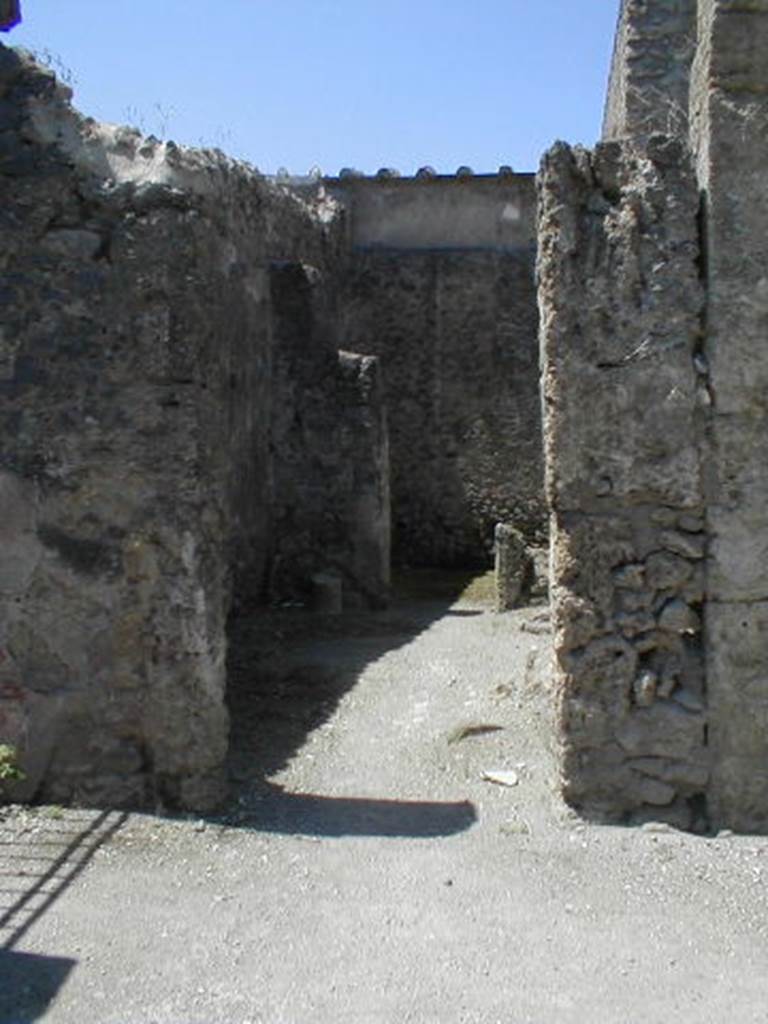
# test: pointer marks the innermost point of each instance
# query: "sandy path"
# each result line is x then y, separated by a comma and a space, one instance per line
379, 877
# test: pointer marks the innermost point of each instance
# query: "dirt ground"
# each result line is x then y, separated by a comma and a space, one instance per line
396, 851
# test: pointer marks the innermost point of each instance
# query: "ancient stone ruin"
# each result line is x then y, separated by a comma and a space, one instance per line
196, 419
653, 276
221, 390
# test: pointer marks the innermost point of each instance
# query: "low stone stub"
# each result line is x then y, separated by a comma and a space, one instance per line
620, 305
513, 567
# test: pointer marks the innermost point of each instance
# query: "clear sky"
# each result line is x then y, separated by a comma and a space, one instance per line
334, 83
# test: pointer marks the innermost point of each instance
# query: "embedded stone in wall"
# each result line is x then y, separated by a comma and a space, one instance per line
620, 305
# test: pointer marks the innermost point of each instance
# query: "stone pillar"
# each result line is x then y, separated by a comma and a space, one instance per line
620, 304
730, 135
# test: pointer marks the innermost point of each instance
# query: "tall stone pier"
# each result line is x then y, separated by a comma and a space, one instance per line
620, 304
653, 266
729, 133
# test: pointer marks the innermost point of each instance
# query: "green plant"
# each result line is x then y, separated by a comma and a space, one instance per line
9, 765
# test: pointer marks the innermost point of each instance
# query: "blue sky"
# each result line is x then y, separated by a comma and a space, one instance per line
333, 83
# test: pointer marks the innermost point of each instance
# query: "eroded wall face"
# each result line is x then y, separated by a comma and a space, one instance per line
456, 334
620, 305
730, 135
135, 362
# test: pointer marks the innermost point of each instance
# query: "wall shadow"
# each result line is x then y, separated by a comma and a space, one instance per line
36, 866
287, 671
310, 814
28, 984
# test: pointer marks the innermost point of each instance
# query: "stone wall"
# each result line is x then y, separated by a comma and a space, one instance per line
135, 369
330, 484
455, 328
730, 137
181, 429
621, 328
659, 495
648, 87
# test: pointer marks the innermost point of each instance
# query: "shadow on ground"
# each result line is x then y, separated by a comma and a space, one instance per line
310, 814
287, 671
36, 867
28, 984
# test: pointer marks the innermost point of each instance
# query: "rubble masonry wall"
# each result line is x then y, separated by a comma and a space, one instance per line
440, 285
621, 302
661, 629
135, 370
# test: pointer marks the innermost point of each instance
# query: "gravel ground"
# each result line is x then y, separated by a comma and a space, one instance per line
396, 851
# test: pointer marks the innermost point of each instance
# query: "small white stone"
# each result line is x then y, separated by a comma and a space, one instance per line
502, 777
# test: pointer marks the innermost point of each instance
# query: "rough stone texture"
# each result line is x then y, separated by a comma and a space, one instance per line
729, 130
456, 333
331, 479
514, 568
136, 355
179, 428
620, 305
695, 564
653, 51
